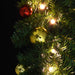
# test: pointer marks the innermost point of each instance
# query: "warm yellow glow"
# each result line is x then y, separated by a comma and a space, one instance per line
53, 51
19, 69
53, 21
42, 6
74, 9
52, 69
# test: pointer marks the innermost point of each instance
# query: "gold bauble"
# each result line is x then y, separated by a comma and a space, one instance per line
19, 69
39, 35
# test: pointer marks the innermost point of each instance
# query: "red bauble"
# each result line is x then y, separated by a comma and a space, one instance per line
25, 11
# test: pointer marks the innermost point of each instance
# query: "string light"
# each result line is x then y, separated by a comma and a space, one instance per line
52, 21
52, 69
53, 51
42, 6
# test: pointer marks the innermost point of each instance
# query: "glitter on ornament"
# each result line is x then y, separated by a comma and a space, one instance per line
19, 69
39, 35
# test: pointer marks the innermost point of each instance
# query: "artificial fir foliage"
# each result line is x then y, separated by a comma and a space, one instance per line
46, 39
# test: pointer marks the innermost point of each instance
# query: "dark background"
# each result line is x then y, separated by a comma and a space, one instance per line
10, 17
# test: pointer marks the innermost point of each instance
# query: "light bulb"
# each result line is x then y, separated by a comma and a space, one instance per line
42, 6
51, 69
52, 21
53, 51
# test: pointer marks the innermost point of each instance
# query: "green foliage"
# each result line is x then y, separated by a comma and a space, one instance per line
61, 37
67, 2
23, 29
21, 3
20, 35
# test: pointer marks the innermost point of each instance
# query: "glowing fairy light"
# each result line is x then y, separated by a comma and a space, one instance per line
42, 6
53, 51
52, 69
53, 21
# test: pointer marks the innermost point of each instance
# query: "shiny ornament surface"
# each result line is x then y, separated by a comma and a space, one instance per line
25, 11
19, 69
39, 35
